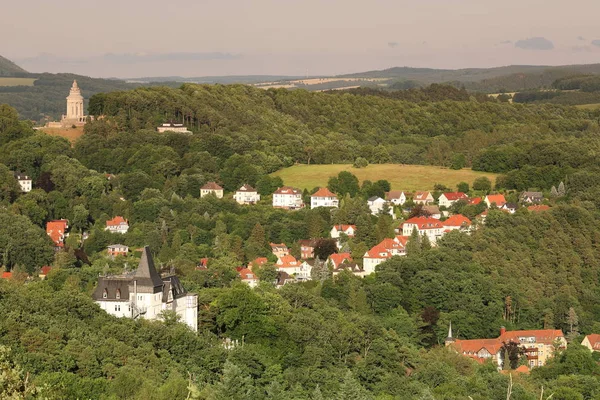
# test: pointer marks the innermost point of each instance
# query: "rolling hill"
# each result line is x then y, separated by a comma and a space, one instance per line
9, 68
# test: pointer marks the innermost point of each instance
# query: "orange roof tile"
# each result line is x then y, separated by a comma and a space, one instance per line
337, 259
211, 186
538, 208
116, 221
425, 223
323, 192
287, 261
452, 196
457, 220
247, 274
421, 196
6, 275
56, 230
594, 339
475, 201
496, 198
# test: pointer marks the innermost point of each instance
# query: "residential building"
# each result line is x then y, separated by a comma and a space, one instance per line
423, 198
44, 271
324, 198
259, 262
538, 345
307, 248
279, 249
338, 258
510, 207
383, 252
211, 188
396, 197
246, 195
173, 127
457, 222
433, 211
283, 278
426, 226
117, 225
288, 198
592, 342
291, 266
57, 230
377, 205
348, 230
474, 201
351, 267
447, 199
531, 197
24, 181
115, 250
248, 277
497, 199
144, 293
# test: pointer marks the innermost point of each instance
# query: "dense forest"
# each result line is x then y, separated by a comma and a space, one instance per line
380, 337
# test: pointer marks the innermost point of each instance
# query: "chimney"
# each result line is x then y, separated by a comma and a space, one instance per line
502, 330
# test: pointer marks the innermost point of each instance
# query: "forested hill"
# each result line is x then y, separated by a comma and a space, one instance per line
47, 95
9, 68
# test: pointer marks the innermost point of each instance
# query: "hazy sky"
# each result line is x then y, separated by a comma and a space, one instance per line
135, 38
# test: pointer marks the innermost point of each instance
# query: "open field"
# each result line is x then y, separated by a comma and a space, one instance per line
6, 81
589, 106
402, 177
69, 133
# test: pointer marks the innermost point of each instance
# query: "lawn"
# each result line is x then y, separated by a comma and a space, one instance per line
589, 106
6, 81
401, 177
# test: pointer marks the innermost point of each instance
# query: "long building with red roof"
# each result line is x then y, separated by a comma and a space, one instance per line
425, 226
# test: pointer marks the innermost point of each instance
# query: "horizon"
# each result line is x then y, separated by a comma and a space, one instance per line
308, 38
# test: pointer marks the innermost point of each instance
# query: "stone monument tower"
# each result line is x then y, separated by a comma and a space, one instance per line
75, 104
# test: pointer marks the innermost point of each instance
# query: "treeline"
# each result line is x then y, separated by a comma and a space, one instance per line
433, 92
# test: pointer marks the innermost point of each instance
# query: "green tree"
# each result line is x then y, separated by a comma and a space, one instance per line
482, 184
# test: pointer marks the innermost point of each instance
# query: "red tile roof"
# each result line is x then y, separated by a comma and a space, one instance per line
424, 223
420, 196
496, 198
538, 208
545, 336
388, 247
6, 275
211, 186
116, 221
247, 274
288, 190
337, 259
259, 262
323, 192
287, 261
455, 196
475, 201
457, 220
344, 228
56, 230
594, 339
45, 269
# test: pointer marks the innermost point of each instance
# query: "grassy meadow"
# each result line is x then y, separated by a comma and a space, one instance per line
401, 177
7, 81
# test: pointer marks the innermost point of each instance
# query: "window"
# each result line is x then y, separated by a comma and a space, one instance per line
118, 294
117, 307
105, 294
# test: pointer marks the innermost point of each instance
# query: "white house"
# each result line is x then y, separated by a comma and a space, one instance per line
383, 252
25, 182
496, 199
291, 266
115, 250
248, 277
288, 198
376, 205
396, 197
117, 225
337, 230
172, 127
423, 198
211, 187
426, 226
145, 294
246, 195
323, 198
447, 199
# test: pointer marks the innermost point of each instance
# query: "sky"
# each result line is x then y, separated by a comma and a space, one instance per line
191, 38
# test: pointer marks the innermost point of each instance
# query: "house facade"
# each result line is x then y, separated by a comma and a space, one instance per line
211, 188
423, 198
248, 277
337, 259
383, 252
426, 226
246, 195
172, 127
457, 222
497, 199
538, 346
307, 248
337, 230
117, 225
396, 197
24, 181
531, 197
144, 293
115, 250
324, 198
592, 342
299, 269
288, 198
447, 199
377, 205
279, 249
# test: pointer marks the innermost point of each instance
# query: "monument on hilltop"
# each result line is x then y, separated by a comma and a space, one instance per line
75, 115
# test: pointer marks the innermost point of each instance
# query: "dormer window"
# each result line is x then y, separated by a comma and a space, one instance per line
105, 294
118, 295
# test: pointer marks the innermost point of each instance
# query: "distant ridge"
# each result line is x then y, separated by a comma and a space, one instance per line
9, 68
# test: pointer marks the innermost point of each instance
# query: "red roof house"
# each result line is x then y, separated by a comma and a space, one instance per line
57, 230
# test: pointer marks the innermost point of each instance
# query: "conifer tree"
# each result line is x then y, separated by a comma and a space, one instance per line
351, 389
553, 191
413, 246
561, 189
